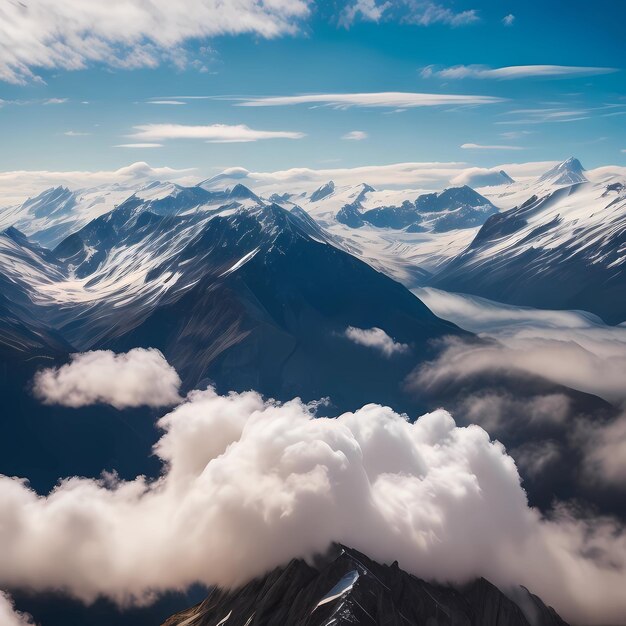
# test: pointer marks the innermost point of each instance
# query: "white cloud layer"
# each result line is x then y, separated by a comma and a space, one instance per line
513, 71
213, 133
390, 99
425, 175
247, 485
9, 616
140, 377
377, 339
71, 34
16, 186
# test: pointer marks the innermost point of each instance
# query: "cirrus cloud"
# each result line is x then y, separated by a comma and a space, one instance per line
213, 133
420, 12
72, 34
513, 71
138, 145
390, 99
479, 146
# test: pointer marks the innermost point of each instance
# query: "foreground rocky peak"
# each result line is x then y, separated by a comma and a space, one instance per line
346, 587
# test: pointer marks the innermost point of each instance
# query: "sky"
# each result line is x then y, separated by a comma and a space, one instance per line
276, 84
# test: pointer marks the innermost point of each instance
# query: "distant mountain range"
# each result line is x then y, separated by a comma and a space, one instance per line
451, 209
560, 249
349, 588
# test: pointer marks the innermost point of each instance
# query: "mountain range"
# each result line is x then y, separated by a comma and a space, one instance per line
299, 293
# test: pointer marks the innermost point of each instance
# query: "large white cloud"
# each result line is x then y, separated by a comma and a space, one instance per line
140, 377
71, 34
247, 485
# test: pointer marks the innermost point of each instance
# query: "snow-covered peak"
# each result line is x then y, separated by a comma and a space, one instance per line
158, 190
241, 192
323, 191
568, 172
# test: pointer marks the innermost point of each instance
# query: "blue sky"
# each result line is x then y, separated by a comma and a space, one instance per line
352, 47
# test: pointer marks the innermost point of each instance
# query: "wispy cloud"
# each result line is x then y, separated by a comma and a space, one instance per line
377, 339
478, 146
513, 71
138, 145
387, 99
543, 115
167, 102
213, 133
508, 20
355, 135
33, 101
421, 12
75, 133
366, 10
515, 134
72, 34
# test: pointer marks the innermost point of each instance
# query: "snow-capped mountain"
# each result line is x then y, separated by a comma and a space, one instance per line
564, 249
56, 212
407, 234
568, 172
347, 587
254, 296
452, 209
23, 263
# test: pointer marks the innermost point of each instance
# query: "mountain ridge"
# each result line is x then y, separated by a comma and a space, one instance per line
347, 587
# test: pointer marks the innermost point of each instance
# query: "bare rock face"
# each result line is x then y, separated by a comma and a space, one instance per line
347, 587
